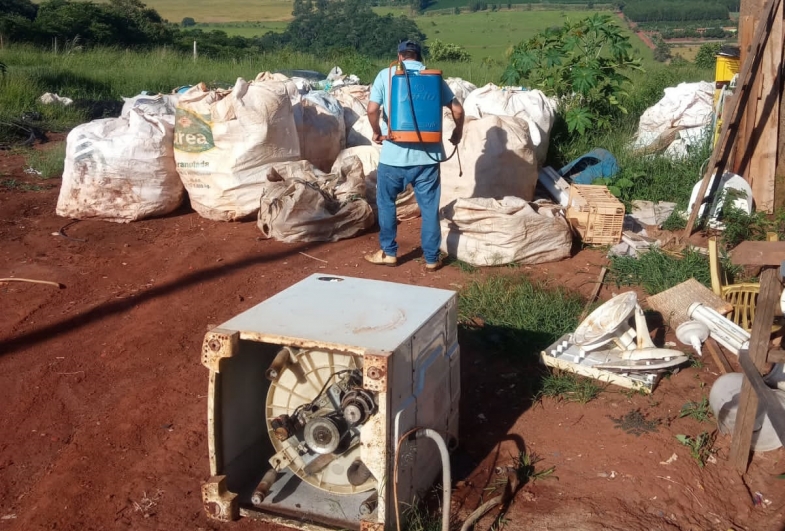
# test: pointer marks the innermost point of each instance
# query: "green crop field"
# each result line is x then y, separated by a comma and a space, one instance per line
490, 34
231, 11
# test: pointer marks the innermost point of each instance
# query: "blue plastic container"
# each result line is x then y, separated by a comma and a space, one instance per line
426, 88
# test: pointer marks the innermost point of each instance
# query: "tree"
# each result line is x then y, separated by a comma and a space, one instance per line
581, 64
188, 22
662, 52
707, 55
442, 51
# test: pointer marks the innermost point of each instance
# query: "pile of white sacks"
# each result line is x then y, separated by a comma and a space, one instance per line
302, 162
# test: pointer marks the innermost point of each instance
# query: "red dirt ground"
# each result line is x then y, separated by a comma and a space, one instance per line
104, 407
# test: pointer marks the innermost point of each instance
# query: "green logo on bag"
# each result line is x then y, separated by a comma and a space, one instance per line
191, 133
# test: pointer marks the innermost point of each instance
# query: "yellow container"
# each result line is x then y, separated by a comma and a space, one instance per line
726, 68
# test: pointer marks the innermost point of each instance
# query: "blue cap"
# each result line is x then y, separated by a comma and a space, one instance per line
409, 46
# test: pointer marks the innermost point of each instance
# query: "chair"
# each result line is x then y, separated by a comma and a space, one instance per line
743, 297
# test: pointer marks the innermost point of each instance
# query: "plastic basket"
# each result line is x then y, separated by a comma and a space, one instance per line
596, 214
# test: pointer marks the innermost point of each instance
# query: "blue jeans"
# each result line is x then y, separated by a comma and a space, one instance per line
391, 181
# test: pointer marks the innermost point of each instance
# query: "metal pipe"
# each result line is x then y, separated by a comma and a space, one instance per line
263, 489
279, 364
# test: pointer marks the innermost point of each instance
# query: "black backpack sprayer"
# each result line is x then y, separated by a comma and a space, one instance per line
414, 111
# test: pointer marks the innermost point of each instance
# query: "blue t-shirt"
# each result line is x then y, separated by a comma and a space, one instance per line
406, 153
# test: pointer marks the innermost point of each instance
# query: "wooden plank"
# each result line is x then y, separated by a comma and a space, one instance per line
758, 253
759, 347
719, 358
729, 131
776, 356
740, 165
763, 160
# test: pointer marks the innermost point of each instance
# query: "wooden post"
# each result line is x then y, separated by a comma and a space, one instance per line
195, 54
759, 348
730, 128
756, 150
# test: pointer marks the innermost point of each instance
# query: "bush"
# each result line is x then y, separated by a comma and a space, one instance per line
707, 55
188, 22
662, 52
581, 64
443, 51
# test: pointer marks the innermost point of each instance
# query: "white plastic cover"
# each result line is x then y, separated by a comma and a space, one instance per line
120, 169
460, 88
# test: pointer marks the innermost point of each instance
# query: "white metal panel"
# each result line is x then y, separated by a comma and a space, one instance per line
355, 312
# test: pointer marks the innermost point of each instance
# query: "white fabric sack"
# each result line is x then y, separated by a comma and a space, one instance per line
120, 169
529, 105
361, 133
301, 204
354, 101
322, 130
685, 106
497, 156
155, 104
224, 138
490, 232
406, 203
460, 88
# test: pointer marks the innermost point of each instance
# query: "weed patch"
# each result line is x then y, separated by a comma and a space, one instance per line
657, 271
569, 387
47, 163
524, 465
700, 411
512, 314
13, 184
701, 446
635, 423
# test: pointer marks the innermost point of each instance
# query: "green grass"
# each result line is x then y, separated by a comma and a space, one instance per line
701, 446
49, 162
519, 317
491, 34
211, 11
244, 29
657, 271
13, 184
567, 386
700, 411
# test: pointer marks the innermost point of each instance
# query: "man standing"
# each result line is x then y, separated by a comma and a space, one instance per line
402, 163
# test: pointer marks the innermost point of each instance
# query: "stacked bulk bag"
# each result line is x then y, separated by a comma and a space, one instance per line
531, 106
299, 203
491, 232
120, 169
225, 138
497, 156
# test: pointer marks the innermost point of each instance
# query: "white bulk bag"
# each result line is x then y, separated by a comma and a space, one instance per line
120, 169
299, 203
322, 129
155, 104
490, 232
405, 204
529, 105
223, 138
354, 101
460, 88
497, 156
685, 106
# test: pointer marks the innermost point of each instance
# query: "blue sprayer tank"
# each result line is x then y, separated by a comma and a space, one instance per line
426, 87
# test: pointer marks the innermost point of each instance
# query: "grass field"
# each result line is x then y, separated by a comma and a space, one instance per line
490, 34
231, 11
244, 29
